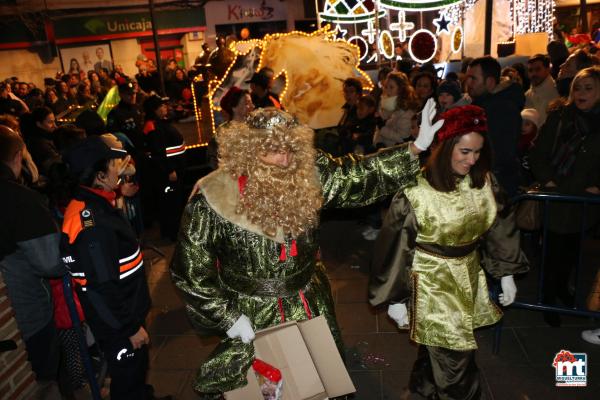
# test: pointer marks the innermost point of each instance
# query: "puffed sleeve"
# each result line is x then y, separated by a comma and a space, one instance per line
194, 270
501, 249
393, 254
357, 181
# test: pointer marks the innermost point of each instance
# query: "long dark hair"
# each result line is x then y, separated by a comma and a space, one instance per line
407, 98
28, 121
439, 172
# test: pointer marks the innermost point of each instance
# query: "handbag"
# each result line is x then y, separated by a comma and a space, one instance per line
527, 215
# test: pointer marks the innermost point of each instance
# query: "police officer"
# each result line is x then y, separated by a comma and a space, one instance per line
167, 150
104, 257
126, 117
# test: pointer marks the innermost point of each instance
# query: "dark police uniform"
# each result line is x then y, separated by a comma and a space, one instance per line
167, 151
103, 255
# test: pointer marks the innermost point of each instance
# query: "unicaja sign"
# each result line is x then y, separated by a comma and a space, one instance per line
571, 368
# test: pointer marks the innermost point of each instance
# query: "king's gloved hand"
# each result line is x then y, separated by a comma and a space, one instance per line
427, 130
399, 314
242, 329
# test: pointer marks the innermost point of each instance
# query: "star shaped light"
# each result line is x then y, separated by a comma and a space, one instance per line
339, 32
441, 23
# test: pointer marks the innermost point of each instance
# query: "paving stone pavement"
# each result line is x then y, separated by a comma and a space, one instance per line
379, 356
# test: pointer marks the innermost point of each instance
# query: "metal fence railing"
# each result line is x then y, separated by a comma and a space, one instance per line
578, 309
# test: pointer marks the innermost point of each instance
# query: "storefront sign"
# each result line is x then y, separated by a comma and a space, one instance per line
130, 23
236, 11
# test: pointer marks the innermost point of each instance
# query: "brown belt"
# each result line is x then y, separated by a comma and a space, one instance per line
282, 287
448, 251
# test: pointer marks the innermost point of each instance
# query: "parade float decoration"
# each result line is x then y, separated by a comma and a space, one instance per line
309, 71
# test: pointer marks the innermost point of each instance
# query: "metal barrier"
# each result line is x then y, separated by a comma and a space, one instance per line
547, 198
85, 356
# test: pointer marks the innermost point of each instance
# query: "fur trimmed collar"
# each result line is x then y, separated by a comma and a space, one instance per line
222, 194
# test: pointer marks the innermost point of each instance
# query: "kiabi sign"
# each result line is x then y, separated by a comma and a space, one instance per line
236, 11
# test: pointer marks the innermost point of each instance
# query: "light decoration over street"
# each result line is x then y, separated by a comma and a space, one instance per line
379, 27
532, 16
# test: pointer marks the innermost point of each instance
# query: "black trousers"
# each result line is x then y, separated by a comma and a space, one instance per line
562, 255
127, 368
445, 374
171, 202
43, 352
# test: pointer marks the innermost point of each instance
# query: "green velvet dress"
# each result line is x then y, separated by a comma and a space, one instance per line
225, 266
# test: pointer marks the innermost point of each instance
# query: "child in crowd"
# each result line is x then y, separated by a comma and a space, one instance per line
529, 131
449, 95
363, 131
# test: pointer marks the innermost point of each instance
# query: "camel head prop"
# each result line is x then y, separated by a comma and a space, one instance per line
315, 67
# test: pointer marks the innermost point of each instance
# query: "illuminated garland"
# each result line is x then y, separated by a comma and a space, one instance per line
242, 48
418, 5
531, 16
345, 12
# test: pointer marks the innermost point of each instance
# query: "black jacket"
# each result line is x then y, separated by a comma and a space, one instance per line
127, 119
269, 100
166, 146
43, 150
103, 255
585, 172
365, 128
503, 109
29, 253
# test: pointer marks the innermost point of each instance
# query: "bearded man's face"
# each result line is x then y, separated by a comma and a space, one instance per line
282, 158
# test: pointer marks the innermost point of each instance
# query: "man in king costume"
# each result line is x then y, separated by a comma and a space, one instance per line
247, 253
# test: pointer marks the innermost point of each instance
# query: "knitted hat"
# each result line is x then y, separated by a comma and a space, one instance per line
462, 120
450, 87
531, 114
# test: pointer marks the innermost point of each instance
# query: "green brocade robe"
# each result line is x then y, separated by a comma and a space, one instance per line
448, 293
225, 266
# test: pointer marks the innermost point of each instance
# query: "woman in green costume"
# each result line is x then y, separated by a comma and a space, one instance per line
436, 238
247, 252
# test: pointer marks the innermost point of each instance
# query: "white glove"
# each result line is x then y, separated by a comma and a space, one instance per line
427, 131
242, 329
399, 314
509, 290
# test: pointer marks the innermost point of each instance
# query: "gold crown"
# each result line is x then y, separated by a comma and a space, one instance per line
270, 118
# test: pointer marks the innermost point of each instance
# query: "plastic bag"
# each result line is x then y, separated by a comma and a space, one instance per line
269, 380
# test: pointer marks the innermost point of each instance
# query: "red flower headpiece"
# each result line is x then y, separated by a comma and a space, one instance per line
461, 120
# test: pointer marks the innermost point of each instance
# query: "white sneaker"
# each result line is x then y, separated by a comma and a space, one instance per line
591, 336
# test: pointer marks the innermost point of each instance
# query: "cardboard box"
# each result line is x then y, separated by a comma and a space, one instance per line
308, 359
